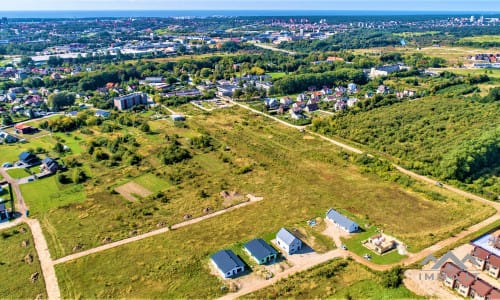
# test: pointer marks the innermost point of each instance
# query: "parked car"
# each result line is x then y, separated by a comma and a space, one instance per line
7, 165
367, 256
343, 246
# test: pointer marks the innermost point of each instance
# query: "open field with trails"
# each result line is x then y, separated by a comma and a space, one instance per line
299, 180
453, 55
338, 279
15, 273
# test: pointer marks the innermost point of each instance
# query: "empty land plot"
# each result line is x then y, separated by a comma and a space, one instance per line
18, 263
298, 179
131, 190
338, 279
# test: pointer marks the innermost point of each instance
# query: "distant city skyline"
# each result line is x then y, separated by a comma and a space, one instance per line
361, 5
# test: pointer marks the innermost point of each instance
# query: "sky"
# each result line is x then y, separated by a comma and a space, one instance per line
415, 5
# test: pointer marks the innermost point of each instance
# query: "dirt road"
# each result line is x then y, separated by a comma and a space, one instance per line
307, 264
149, 234
49, 273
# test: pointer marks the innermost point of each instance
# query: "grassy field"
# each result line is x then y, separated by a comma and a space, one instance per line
338, 279
45, 194
453, 55
18, 173
481, 39
353, 243
15, 273
299, 179
277, 75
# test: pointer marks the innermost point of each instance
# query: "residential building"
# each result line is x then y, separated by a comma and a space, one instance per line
449, 271
25, 129
128, 101
463, 283
341, 221
227, 263
49, 165
102, 113
479, 290
261, 251
28, 158
288, 242
492, 266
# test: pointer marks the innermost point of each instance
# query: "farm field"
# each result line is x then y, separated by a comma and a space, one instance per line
274, 162
338, 279
15, 271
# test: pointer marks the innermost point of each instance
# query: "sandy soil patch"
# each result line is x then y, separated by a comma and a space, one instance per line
130, 190
425, 283
308, 137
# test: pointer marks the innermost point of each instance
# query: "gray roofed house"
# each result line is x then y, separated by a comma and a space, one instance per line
341, 221
261, 251
227, 263
49, 165
287, 241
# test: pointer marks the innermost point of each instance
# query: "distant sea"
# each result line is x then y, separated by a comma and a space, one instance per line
223, 13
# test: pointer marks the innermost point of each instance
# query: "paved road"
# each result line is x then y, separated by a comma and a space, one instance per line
267, 47
150, 234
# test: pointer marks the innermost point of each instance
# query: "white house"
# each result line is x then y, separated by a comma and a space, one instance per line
288, 241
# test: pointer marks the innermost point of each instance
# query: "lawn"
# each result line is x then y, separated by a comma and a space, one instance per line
152, 182
353, 243
15, 273
337, 279
277, 75
18, 173
299, 179
46, 194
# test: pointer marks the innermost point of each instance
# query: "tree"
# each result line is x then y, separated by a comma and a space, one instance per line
26, 61
79, 176
7, 120
60, 100
59, 148
392, 278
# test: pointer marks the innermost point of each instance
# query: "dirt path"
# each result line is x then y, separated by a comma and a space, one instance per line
150, 234
109, 246
49, 273
306, 264
266, 115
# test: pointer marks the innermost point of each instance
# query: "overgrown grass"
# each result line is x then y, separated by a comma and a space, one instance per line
299, 180
15, 273
45, 194
338, 279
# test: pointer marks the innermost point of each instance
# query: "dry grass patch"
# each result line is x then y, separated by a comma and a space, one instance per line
131, 190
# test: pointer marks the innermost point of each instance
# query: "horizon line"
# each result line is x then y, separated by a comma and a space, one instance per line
295, 10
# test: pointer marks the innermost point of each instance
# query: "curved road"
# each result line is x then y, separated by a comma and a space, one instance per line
47, 263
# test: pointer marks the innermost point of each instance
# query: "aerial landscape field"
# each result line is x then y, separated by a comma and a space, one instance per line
276, 154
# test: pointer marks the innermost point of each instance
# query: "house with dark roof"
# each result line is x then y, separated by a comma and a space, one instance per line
486, 261
25, 129
341, 221
492, 266
288, 242
227, 263
28, 158
481, 256
463, 283
480, 289
466, 284
49, 165
102, 113
449, 271
261, 251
